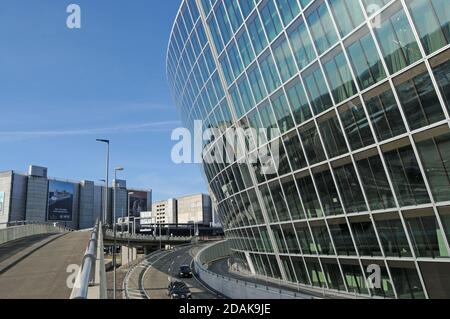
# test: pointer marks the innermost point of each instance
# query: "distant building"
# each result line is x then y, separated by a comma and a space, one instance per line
77, 204
195, 209
165, 212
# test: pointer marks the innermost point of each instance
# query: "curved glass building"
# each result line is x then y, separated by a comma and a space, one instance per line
360, 93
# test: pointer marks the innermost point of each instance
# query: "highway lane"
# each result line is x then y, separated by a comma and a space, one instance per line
156, 278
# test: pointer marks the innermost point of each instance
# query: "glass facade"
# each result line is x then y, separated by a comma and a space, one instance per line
359, 91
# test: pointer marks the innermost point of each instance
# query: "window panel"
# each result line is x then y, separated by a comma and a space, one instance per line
393, 238
418, 98
347, 14
384, 113
365, 60
356, 125
432, 21
428, 239
350, 189
406, 177
375, 183
396, 39
435, 155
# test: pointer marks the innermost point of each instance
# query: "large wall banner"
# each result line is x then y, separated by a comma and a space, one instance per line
2, 203
138, 203
60, 201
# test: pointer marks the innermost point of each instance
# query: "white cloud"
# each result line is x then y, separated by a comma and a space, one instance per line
162, 126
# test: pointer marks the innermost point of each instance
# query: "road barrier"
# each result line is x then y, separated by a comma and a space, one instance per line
18, 230
146, 238
91, 279
233, 288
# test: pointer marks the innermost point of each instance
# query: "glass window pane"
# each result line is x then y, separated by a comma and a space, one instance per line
339, 77
356, 125
432, 21
375, 183
321, 27
435, 155
393, 238
328, 194
397, 40
407, 282
366, 239
365, 60
428, 239
317, 90
406, 177
350, 189
332, 135
347, 14
384, 113
342, 240
297, 99
418, 98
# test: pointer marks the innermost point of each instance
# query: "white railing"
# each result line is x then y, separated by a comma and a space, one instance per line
234, 288
91, 279
18, 230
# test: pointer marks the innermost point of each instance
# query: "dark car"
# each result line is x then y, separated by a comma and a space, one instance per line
178, 290
185, 272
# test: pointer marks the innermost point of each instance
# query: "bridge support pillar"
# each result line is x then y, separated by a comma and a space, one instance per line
129, 254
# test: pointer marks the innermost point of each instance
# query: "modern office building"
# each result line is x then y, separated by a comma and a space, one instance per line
165, 212
36, 197
195, 209
360, 92
190, 209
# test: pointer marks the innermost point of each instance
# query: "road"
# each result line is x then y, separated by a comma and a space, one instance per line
40, 271
151, 278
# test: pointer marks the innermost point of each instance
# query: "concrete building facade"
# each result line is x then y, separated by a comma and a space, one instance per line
36, 197
195, 209
165, 212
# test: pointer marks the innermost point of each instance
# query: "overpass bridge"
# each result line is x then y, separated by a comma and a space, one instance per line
48, 261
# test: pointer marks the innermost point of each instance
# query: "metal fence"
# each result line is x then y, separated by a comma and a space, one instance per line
146, 238
17, 230
91, 279
234, 288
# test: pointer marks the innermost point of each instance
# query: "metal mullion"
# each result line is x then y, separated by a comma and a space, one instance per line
351, 154
314, 182
426, 59
413, 143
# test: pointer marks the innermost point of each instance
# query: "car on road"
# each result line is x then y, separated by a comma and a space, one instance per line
185, 272
179, 290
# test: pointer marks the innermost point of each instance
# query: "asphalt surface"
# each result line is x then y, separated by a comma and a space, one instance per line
43, 273
150, 279
12, 248
156, 279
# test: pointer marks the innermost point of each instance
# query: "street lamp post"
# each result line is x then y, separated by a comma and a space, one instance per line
128, 223
105, 213
115, 229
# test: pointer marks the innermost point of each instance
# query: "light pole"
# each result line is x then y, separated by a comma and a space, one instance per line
118, 169
105, 213
128, 223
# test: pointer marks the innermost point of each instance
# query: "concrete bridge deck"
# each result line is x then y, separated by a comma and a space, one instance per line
38, 270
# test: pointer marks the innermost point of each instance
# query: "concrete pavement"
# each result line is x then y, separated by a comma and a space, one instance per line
43, 274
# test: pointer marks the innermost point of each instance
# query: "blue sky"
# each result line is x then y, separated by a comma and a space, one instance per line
60, 89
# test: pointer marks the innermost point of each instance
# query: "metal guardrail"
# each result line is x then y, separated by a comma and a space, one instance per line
110, 235
21, 229
91, 279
